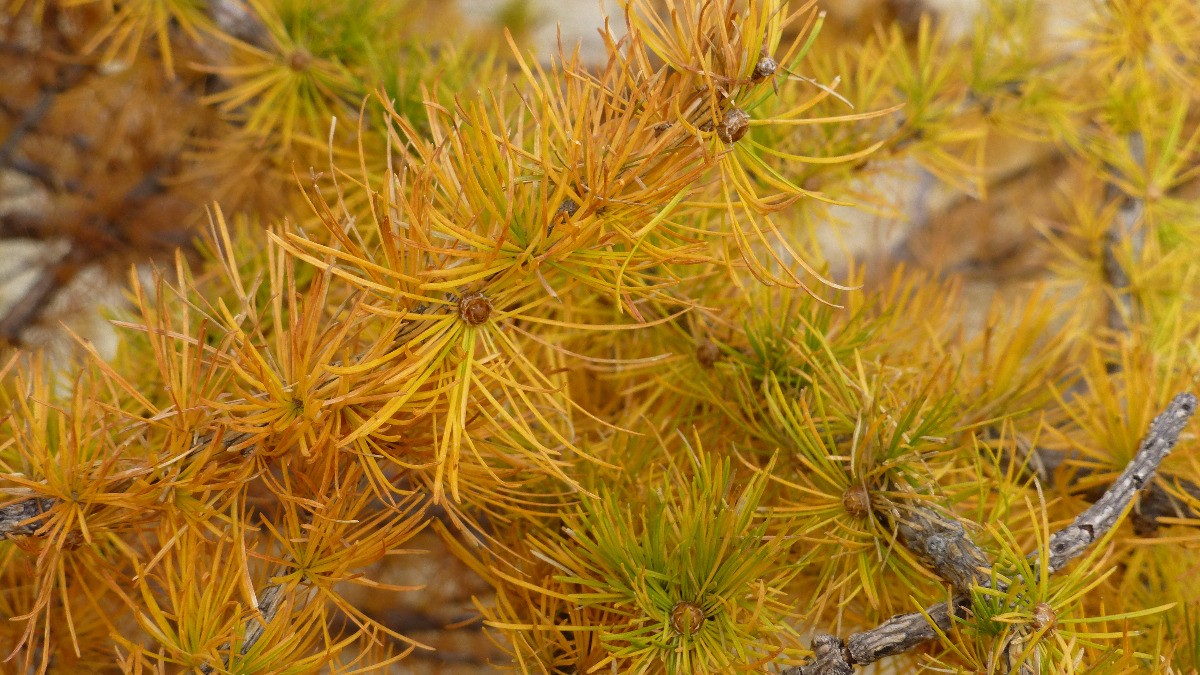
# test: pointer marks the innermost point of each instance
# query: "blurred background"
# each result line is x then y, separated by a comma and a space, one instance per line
110, 162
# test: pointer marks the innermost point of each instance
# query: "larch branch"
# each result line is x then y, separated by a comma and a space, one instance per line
944, 543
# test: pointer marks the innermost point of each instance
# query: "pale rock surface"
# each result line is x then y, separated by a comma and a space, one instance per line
577, 21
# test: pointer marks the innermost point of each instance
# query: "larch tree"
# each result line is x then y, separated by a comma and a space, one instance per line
773, 342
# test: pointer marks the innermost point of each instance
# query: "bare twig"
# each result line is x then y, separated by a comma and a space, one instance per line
23, 517
1124, 228
38, 110
1073, 540
55, 278
44, 175
269, 600
38, 297
1156, 501
235, 19
21, 226
942, 544
897, 635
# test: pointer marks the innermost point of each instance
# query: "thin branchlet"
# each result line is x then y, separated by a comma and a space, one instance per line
1070, 542
269, 600
23, 517
26, 516
941, 543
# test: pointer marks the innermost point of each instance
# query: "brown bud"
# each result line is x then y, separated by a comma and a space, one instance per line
734, 125
686, 618
300, 60
857, 501
765, 68
707, 353
1044, 617
474, 308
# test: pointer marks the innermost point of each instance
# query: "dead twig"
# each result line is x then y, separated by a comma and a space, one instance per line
1071, 541
942, 544
269, 600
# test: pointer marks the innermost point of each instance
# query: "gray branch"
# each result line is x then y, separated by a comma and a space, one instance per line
24, 517
897, 635
235, 19
268, 605
1099, 518
1124, 228
942, 544
1155, 501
